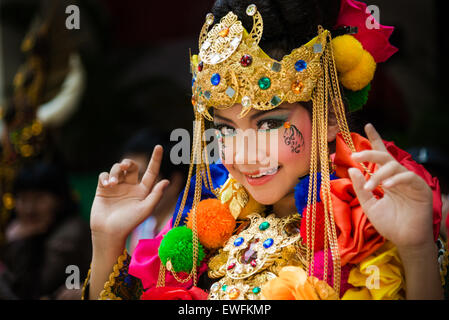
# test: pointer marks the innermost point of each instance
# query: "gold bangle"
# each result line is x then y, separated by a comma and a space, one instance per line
106, 293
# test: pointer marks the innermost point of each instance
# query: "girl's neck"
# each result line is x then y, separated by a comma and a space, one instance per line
285, 206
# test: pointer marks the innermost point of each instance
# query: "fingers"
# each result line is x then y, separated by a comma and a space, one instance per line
103, 179
116, 175
385, 172
131, 170
374, 138
365, 197
152, 171
151, 201
407, 177
374, 156
126, 171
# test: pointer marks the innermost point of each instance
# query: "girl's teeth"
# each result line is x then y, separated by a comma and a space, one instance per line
269, 172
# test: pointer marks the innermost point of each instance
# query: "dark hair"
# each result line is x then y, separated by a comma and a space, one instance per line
288, 24
144, 141
47, 177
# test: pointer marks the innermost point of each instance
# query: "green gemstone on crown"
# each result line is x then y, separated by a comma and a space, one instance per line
275, 100
264, 83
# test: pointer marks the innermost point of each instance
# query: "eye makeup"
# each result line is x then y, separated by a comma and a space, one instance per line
272, 122
224, 129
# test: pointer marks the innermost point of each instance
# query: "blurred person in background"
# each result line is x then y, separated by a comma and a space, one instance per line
139, 148
45, 237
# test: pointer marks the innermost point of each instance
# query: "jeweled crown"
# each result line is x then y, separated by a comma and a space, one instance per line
231, 68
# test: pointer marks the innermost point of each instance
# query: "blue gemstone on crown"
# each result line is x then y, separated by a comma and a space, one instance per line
300, 65
268, 243
215, 79
238, 241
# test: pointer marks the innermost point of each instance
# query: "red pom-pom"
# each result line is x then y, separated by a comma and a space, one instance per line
319, 227
214, 223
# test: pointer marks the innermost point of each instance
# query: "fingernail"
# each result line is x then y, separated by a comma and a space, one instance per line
105, 182
387, 183
113, 179
369, 186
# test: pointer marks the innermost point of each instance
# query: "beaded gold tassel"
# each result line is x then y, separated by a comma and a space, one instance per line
326, 95
202, 173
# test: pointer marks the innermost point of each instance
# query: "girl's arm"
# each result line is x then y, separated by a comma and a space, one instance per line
422, 273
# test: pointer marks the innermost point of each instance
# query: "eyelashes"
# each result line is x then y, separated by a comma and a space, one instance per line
262, 125
270, 124
225, 130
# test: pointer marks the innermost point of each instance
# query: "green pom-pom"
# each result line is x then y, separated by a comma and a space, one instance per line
177, 246
357, 99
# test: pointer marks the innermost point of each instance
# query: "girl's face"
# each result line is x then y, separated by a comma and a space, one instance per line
268, 168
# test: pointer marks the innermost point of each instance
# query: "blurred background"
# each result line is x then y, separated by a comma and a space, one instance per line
73, 102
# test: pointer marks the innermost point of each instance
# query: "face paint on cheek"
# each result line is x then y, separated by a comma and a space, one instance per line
293, 137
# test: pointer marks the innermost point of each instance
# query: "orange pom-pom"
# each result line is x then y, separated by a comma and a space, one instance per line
214, 223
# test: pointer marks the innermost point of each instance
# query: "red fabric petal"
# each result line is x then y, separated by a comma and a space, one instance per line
375, 41
377, 44
174, 293
319, 227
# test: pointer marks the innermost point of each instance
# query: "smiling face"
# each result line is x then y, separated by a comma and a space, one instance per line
268, 168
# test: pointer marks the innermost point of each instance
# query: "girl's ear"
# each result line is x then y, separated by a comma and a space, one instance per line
332, 127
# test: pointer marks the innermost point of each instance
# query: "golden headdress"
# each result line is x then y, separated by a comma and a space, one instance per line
231, 68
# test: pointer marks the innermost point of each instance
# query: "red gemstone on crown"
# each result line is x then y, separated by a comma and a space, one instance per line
246, 60
200, 66
232, 265
253, 263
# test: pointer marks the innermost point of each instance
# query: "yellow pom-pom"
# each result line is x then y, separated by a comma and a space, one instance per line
214, 223
348, 52
359, 77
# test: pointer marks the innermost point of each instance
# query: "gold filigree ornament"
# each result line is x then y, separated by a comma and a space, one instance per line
239, 201
251, 253
231, 68
231, 289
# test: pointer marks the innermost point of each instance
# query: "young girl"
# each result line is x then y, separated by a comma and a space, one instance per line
325, 214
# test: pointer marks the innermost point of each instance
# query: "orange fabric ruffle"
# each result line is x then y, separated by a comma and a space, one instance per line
294, 284
357, 237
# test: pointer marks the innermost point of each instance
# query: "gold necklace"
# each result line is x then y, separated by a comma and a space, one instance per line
255, 255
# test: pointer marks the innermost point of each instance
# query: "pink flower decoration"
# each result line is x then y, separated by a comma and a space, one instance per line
375, 40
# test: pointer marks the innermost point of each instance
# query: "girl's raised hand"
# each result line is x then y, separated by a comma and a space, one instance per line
404, 214
122, 202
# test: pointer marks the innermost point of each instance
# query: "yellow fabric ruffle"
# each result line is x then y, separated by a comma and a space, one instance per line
380, 276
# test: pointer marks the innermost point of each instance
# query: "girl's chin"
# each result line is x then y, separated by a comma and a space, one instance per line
267, 197
265, 200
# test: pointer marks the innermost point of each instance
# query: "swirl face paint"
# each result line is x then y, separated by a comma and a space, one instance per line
293, 137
